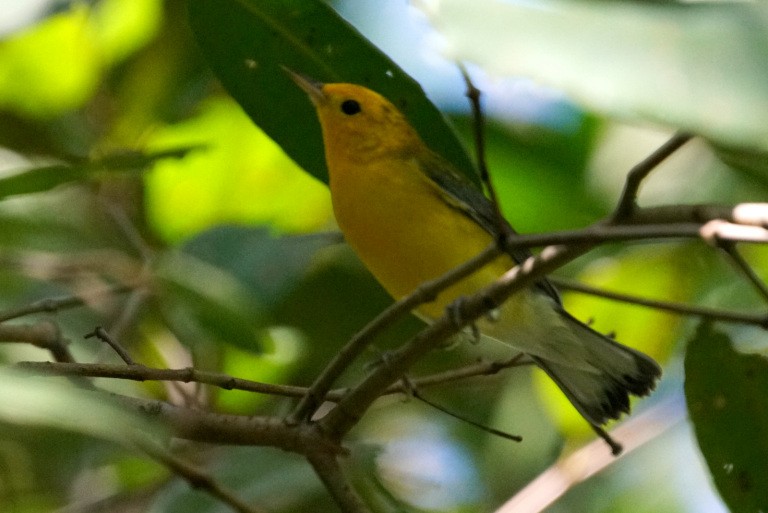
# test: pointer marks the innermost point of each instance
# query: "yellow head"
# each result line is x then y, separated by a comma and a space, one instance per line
358, 124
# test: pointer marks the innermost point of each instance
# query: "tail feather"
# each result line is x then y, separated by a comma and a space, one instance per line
602, 392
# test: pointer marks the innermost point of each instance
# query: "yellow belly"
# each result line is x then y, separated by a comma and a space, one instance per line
406, 234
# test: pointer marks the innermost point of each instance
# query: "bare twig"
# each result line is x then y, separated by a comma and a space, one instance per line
496, 432
637, 174
227, 382
142, 373
102, 335
758, 319
749, 273
473, 93
55, 304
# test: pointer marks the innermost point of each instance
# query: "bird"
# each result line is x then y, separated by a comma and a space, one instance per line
411, 216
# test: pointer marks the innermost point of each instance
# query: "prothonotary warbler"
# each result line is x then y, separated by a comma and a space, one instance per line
411, 216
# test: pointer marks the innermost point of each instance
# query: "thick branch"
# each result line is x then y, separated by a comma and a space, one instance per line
220, 428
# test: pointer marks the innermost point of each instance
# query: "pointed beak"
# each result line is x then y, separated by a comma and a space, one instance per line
313, 88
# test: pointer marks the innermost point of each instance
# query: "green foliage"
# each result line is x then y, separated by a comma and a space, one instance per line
725, 391
310, 38
702, 67
44, 178
129, 169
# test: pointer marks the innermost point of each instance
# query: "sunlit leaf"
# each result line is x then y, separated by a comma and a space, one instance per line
309, 37
282, 348
698, 66
56, 66
28, 401
39, 179
240, 177
728, 405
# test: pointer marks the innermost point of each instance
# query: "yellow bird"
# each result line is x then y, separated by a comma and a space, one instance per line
411, 217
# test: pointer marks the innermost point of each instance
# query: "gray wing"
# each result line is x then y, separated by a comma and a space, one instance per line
467, 198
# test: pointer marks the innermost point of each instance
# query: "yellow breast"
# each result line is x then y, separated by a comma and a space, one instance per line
398, 223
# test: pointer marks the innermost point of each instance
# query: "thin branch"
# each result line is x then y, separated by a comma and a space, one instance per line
105, 337
227, 382
496, 432
746, 269
327, 468
142, 373
482, 368
600, 233
424, 293
637, 174
473, 94
195, 476
51, 305
669, 306
130, 310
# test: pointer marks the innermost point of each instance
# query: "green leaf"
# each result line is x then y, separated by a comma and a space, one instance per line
203, 304
268, 266
727, 394
50, 402
44, 178
309, 37
702, 66
256, 476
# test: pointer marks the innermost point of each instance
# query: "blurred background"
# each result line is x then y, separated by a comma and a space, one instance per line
223, 255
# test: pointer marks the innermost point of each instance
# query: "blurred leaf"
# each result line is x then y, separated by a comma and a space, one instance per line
256, 475
753, 163
309, 37
56, 66
283, 348
728, 404
50, 402
124, 26
51, 67
44, 178
266, 264
702, 67
203, 304
539, 175
241, 177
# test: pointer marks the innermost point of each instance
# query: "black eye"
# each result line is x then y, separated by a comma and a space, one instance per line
350, 107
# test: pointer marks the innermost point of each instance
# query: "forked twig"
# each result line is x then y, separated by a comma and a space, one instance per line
637, 175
